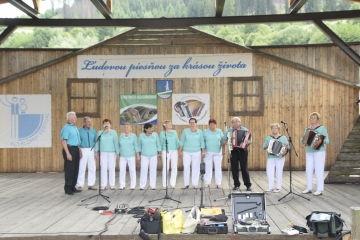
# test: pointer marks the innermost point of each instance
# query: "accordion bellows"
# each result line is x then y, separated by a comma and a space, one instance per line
277, 148
237, 139
313, 139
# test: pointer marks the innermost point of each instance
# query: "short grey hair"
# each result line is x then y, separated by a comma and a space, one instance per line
69, 114
84, 119
235, 118
275, 125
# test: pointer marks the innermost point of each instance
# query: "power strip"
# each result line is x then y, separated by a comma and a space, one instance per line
120, 209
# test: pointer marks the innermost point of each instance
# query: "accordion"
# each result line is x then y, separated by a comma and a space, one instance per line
238, 138
313, 139
277, 148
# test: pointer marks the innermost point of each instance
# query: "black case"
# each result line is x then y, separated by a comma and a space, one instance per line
249, 207
211, 229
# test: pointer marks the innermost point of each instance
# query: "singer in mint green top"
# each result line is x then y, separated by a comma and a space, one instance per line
128, 145
213, 140
281, 138
109, 142
322, 130
87, 136
149, 146
192, 141
172, 139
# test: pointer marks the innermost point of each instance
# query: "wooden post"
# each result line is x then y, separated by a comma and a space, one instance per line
355, 223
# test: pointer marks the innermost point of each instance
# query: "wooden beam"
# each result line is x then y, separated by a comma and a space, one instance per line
296, 5
355, 222
36, 5
102, 7
219, 7
338, 41
24, 8
109, 4
3, 1
6, 33
178, 22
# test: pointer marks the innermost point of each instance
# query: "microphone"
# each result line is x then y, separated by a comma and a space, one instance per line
202, 168
283, 122
164, 125
225, 123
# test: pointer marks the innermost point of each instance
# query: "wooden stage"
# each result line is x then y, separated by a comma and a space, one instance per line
34, 205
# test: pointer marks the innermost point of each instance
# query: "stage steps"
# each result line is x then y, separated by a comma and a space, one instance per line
346, 168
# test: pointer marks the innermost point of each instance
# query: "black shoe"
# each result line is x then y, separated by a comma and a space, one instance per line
69, 193
75, 191
236, 188
248, 189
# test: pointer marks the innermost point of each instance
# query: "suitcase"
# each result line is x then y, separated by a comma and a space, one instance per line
249, 213
216, 228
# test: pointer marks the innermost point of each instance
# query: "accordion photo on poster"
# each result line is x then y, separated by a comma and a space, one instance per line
189, 108
313, 139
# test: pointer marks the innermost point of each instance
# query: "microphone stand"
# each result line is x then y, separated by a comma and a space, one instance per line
99, 194
291, 146
229, 142
202, 172
166, 167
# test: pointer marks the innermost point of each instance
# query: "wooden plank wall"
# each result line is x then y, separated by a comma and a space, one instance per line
328, 58
16, 60
290, 95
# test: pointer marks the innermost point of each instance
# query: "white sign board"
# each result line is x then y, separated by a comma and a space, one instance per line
164, 66
25, 121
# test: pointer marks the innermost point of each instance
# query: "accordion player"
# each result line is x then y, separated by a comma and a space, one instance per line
313, 139
239, 139
278, 148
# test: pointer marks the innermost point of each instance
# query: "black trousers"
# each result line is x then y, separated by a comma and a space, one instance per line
71, 168
242, 157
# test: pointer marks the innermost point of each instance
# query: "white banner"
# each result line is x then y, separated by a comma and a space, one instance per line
25, 121
186, 106
164, 66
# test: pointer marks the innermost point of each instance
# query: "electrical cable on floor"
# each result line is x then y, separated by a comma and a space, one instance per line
106, 225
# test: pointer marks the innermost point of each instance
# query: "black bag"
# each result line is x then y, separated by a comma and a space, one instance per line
151, 222
325, 224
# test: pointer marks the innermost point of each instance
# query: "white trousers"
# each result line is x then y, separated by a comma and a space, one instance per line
172, 159
148, 164
315, 162
108, 162
130, 161
277, 165
194, 159
211, 157
88, 159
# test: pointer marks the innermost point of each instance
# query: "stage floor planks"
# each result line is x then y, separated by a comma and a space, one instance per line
34, 204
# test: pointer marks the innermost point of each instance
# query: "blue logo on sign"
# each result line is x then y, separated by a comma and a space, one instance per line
24, 126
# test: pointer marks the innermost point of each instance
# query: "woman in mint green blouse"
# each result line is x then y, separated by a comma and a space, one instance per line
150, 150
109, 153
170, 137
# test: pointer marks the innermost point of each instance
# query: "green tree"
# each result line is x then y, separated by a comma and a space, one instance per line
68, 41
291, 35
251, 37
42, 36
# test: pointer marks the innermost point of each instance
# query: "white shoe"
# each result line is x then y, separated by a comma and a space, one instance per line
219, 186
206, 185
276, 190
269, 190
317, 193
306, 191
